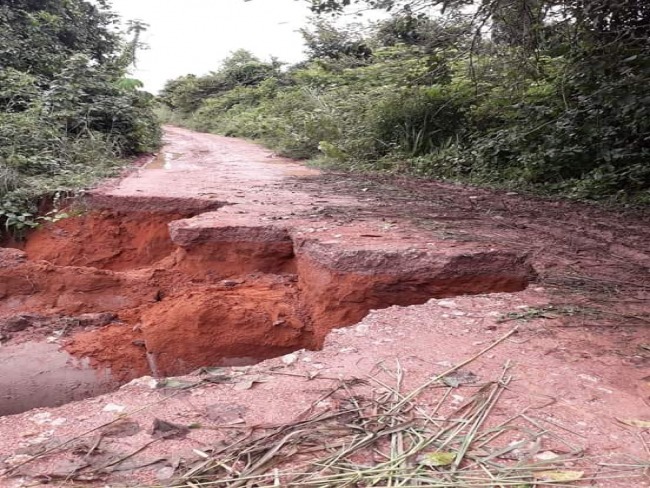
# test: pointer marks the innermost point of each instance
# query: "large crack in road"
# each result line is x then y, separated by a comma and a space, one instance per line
212, 259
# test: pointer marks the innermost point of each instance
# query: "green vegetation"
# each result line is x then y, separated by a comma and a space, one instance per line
544, 95
67, 110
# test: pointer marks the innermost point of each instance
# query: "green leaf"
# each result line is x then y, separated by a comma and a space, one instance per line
559, 476
438, 459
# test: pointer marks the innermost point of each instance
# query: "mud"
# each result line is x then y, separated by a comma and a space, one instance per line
38, 374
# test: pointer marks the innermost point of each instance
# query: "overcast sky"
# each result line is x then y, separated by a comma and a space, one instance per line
193, 36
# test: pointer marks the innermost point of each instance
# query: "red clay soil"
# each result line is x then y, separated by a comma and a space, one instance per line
104, 239
222, 254
119, 255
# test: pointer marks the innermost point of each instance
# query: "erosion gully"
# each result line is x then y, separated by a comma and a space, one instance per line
138, 282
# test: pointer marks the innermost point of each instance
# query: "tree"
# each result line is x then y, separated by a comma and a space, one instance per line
517, 23
591, 57
39, 37
413, 6
67, 106
326, 41
452, 31
241, 69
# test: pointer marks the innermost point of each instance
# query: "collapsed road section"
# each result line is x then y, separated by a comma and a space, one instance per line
217, 258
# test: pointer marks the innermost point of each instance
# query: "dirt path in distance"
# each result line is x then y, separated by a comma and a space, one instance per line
219, 253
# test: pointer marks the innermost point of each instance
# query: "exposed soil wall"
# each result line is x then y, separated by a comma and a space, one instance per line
340, 289
107, 240
232, 295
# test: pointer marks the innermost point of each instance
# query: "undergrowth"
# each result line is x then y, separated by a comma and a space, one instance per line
565, 117
69, 114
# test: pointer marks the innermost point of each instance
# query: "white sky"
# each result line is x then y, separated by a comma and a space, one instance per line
193, 36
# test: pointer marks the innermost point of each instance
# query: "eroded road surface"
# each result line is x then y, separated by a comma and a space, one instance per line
219, 254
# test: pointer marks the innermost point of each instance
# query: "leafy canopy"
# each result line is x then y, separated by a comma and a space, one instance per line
67, 107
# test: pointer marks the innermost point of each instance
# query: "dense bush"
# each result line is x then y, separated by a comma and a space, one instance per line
519, 95
67, 110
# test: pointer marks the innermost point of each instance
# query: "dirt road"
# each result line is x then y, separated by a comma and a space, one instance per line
218, 253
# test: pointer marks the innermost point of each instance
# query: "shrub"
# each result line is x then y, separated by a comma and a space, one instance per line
563, 107
67, 110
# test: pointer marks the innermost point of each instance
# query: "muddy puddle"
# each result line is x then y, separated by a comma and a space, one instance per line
38, 374
163, 160
178, 300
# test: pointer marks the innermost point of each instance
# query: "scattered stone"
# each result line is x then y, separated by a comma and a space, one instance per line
121, 428
17, 460
226, 413
20, 323
459, 378
591, 379
361, 330
112, 407
95, 319
546, 456
161, 429
42, 418
456, 399
146, 381
165, 473
347, 350
447, 303
289, 359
